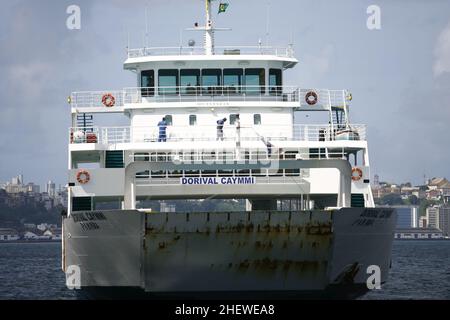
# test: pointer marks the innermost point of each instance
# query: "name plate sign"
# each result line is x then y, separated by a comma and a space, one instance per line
217, 180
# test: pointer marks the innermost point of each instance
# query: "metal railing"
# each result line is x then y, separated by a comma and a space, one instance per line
245, 155
264, 133
287, 52
138, 95
190, 93
95, 98
261, 178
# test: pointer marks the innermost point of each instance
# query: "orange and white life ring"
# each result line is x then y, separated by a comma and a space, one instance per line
356, 174
108, 100
83, 176
311, 98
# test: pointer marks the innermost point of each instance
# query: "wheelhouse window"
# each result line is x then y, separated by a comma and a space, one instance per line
168, 81
254, 81
148, 83
189, 81
257, 119
211, 81
192, 120
233, 80
275, 87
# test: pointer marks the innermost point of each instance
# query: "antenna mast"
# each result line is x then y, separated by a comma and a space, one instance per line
209, 29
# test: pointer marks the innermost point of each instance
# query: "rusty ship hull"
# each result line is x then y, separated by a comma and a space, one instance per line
257, 253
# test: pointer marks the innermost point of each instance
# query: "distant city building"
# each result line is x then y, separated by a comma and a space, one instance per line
17, 180
166, 207
376, 181
30, 226
45, 226
438, 189
418, 233
30, 236
54, 234
33, 188
51, 189
7, 234
422, 222
407, 217
444, 219
432, 217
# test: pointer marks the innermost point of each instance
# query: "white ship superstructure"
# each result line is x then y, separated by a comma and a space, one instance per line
328, 236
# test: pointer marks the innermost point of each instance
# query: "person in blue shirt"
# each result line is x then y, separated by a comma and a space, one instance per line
162, 130
220, 124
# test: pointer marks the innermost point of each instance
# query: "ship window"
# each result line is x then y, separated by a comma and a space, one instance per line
168, 119
168, 81
208, 173
275, 172
161, 157
175, 174
141, 156
233, 118
292, 172
225, 173
243, 172
148, 83
275, 81
211, 81
232, 80
254, 81
143, 174
192, 120
189, 81
290, 154
191, 173
159, 174
256, 119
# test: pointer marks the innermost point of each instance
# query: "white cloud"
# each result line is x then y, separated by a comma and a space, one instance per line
31, 78
317, 64
442, 52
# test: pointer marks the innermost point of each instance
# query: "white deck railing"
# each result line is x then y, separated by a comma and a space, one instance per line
140, 95
287, 52
114, 135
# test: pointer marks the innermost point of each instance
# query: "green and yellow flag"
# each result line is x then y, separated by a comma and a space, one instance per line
222, 7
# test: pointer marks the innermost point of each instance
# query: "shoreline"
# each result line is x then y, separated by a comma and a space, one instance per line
30, 241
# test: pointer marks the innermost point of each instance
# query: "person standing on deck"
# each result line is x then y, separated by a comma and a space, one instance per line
238, 131
162, 130
220, 124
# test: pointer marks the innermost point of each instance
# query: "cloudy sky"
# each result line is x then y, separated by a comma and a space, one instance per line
399, 75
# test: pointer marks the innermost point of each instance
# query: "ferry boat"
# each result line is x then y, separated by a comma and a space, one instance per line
219, 122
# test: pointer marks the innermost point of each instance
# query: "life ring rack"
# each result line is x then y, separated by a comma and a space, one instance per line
358, 173
83, 176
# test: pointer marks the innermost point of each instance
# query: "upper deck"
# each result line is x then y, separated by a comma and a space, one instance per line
208, 96
222, 53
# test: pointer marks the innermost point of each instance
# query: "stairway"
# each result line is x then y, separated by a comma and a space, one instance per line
86, 122
357, 200
338, 118
114, 159
81, 204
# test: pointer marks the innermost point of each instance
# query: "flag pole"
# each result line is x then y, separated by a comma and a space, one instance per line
209, 30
